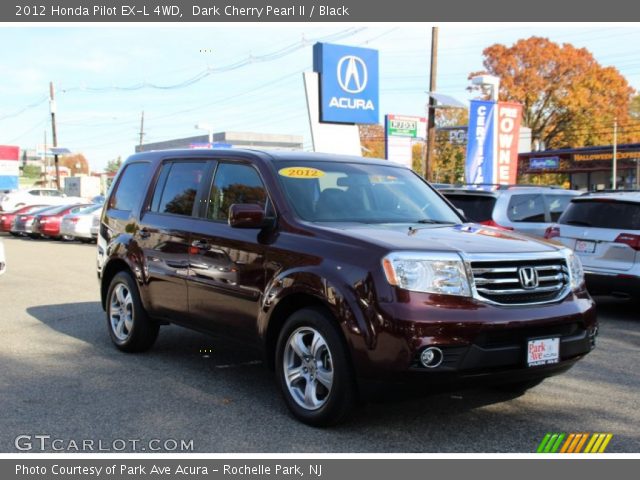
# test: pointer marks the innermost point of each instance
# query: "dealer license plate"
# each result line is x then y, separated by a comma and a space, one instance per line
543, 351
585, 246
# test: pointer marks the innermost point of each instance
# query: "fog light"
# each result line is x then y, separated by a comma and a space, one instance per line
431, 357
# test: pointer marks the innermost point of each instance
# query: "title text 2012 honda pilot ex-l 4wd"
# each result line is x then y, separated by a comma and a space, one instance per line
345, 271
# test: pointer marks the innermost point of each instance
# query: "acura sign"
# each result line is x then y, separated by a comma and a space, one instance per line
348, 83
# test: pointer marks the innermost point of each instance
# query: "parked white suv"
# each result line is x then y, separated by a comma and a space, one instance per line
604, 231
35, 196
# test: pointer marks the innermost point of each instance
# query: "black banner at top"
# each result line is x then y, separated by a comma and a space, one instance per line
318, 11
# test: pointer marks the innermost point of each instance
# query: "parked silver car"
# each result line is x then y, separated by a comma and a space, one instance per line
604, 231
78, 226
526, 209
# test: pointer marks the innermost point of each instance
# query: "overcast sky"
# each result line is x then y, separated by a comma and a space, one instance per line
105, 76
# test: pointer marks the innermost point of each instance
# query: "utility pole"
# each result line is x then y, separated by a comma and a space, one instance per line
44, 160
52, 108
431, 114
141, 129
614, 180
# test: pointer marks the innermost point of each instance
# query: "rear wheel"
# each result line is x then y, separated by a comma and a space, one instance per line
313, 369
130, 327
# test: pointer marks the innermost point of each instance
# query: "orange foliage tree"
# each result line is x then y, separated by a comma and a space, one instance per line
76, 163
568, 98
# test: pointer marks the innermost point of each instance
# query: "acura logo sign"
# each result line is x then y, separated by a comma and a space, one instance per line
528, 277
352, 74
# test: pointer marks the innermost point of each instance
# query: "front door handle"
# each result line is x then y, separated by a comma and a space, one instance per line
201, 244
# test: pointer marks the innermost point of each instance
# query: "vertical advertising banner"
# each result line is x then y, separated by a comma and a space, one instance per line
481, 143
9, 167
509, 115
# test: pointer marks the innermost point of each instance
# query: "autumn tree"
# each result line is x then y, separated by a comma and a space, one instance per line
76, 163
114, 165
634, 108
449, 155
372, 140
568, 98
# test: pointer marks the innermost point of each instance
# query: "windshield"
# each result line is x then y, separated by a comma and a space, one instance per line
354, 192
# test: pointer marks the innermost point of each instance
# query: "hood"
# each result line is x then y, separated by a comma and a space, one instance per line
467, 238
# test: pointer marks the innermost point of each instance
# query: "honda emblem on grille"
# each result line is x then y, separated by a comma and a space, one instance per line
528, 277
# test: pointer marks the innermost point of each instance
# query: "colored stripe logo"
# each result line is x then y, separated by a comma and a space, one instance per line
574, 443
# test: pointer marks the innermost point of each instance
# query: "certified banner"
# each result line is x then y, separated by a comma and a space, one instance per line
9, 167
481, 142
509, 115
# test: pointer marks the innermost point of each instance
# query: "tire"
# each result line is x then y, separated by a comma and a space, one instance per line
136, 332
519, 387
324, 390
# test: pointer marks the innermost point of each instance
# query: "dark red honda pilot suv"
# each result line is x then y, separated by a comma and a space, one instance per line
345, 271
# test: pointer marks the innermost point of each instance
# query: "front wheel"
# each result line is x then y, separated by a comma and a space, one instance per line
130, 327
313, 369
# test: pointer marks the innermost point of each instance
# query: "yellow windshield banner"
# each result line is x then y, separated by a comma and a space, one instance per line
301, 172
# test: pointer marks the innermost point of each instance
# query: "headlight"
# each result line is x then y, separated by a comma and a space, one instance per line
441, 273
576, 272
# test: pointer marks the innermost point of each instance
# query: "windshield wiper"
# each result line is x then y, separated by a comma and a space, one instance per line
434, 222
578, 222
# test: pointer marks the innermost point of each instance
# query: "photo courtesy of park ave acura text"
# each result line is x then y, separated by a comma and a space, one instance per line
299, 237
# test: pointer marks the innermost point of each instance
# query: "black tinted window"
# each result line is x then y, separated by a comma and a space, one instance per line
603, 214
234, 183
130, 187
526, 208
477, 208
179, 187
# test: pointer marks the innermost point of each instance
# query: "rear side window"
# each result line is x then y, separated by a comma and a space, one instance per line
130, 187
603, 214
526, 208
177, 187
234, 183
477, 208
557, 204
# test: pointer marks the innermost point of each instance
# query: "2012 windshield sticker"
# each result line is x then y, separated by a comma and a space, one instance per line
301, 172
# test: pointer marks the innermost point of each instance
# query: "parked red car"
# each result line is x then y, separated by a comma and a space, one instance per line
7, 218
48, 223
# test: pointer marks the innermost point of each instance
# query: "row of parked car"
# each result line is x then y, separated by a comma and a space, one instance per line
66, 222
602, 228
46, 212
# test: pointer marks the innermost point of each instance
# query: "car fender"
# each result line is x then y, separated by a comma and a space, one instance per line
340, 296
123, 248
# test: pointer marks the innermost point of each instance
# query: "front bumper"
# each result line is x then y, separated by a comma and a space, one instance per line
478, 341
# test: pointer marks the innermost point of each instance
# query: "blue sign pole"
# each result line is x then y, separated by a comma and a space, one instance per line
481, 144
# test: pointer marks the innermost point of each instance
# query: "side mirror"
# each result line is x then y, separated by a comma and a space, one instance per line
246, 215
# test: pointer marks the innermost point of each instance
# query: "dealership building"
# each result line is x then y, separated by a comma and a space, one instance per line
230, 139
587, 168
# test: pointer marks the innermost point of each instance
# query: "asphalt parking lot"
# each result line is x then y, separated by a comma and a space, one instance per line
60, 376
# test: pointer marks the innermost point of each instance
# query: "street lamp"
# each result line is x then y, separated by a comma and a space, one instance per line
208, 128
489, 84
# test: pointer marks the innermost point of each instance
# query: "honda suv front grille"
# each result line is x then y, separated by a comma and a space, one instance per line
521, 281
